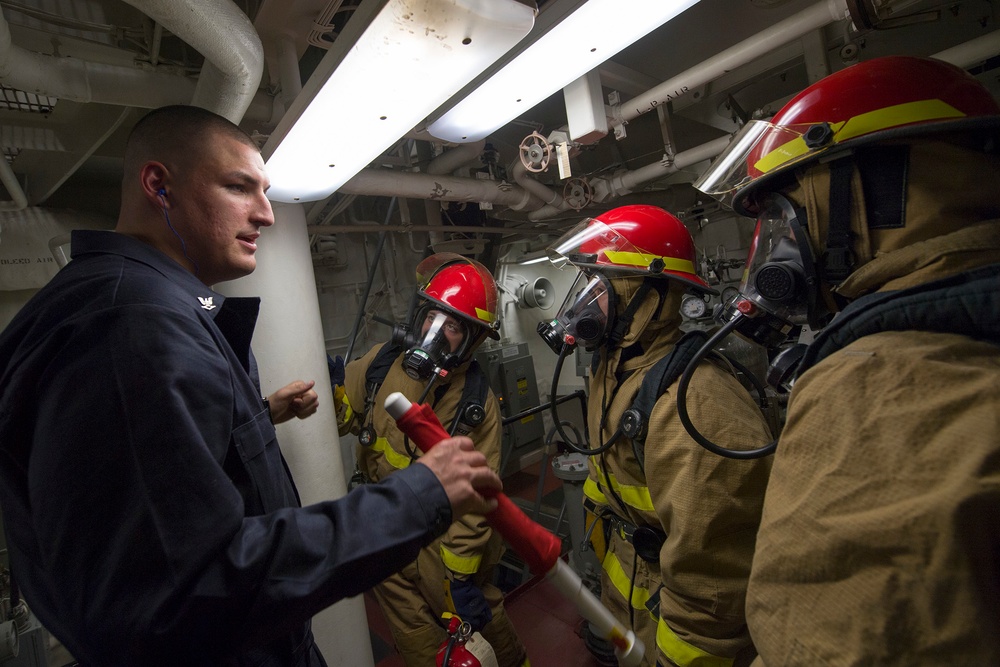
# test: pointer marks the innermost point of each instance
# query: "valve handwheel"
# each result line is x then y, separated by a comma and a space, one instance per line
577, 193
535, 152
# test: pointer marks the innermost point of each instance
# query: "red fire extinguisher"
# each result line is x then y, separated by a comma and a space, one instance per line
453, 652
465, 648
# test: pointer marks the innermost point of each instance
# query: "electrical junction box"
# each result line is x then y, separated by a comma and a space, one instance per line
510, 371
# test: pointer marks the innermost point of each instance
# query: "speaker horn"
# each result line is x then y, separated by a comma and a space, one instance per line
537, 293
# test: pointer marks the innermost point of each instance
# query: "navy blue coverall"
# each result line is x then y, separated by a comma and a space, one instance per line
150, 516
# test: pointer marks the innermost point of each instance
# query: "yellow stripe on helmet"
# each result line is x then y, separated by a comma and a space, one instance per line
642, 259
866, 123
484, 315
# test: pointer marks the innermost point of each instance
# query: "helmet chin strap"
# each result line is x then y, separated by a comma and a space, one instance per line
624, 321
838, 259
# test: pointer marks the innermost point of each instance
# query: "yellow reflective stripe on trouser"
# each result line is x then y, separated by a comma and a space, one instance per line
622, 584
460, 564
683, 654
632, 495
644, 260
395, 459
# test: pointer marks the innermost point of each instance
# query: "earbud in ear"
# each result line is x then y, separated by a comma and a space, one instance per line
161, 192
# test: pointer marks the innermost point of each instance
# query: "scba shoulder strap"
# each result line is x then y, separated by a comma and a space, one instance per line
666, 371
471, 406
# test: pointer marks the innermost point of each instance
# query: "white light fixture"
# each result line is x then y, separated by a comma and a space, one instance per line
593, 33
412, 56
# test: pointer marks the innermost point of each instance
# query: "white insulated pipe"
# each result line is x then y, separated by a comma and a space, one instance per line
537, 188
288, 69
446, 163
626, 182
220, 31
457, 157
794, 27
18, 201
972, 52
386, 183
82, 81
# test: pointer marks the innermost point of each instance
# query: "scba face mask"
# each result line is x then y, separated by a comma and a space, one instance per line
584, 315
440, 342
779, 290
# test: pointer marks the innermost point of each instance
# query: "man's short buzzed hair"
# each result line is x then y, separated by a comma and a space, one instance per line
171, 133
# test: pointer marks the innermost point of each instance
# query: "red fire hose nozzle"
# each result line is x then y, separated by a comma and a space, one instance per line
539, 548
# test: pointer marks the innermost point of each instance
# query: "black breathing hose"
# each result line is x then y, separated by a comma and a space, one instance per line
682, 412
572, 444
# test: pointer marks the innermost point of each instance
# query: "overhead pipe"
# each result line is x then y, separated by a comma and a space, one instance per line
446, 163
462, 229
548, 196
219, 30
81, 81
288, 69
972, 52
782, 32
386, 183
626, 182
531, 195
18, 201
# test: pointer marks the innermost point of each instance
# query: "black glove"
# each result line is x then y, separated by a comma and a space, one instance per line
336, 367
468, 603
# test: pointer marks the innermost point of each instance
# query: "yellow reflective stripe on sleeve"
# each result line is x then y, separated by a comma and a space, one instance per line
460, 564
484, 315
340, 394
873, 121
642, 259
622, 583
592, 491
395, 459
683, 654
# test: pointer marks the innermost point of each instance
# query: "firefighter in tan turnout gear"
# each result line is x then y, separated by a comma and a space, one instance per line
876, 194
433, 363
681, 521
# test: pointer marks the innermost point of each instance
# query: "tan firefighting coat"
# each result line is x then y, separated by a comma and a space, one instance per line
414, 600
707, 506
880, 539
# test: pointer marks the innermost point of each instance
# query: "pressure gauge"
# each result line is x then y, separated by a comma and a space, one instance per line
729, 293
693, 307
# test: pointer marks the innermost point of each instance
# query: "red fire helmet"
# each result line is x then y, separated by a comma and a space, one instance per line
892, 97
631, 240
462, 287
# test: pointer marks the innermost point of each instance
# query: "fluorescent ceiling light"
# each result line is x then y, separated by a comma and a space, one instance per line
583, 40
414, 55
